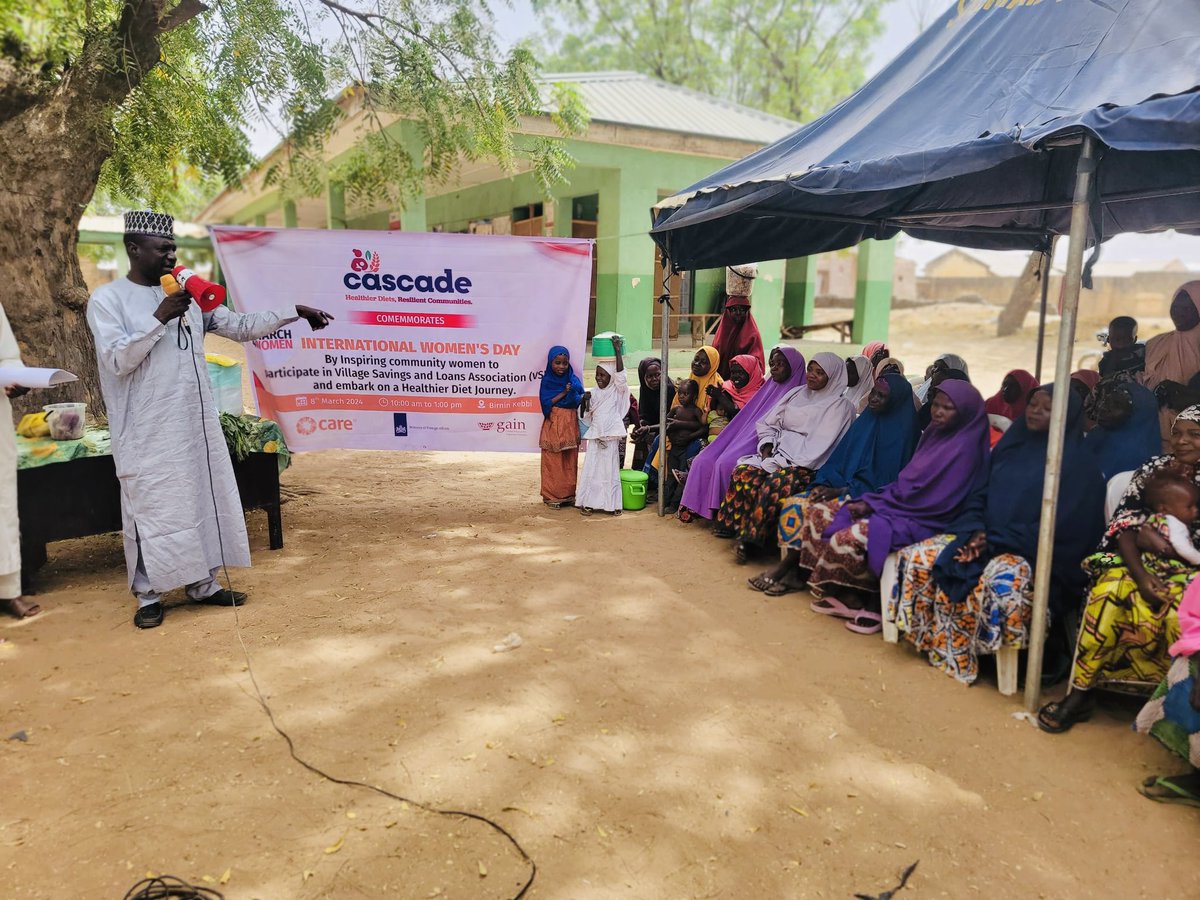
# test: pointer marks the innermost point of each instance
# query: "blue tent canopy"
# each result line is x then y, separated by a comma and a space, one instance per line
971, 137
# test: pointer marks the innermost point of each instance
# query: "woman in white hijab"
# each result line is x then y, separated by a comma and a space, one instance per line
607, 405
857, 393
945, 361
794, 440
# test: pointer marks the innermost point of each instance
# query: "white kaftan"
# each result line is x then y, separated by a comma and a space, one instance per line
166, 434
10, 532
805, 425
600, 481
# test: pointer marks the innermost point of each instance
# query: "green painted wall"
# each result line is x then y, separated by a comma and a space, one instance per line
873, 290
800, 291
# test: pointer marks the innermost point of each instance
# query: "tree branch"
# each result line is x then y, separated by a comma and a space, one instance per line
374, 20
180, 15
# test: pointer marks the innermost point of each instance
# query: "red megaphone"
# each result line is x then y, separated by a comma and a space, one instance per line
208, 296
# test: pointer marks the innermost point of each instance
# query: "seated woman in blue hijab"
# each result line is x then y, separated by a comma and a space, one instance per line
1127, 430
878, 445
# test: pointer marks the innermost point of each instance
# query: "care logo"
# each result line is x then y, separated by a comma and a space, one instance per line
306, 425
365, 261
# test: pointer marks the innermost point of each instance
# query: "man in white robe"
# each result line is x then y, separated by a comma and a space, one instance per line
180, 527
11, 600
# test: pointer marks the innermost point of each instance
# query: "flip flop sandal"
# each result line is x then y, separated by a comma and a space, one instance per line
761, 582
1176, 795
833, 607
743, 553
1066, 724
686, 516
865, 622
721, 532
780, 588
585, 510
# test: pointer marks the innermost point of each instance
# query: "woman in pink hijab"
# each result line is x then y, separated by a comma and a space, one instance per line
1173, 358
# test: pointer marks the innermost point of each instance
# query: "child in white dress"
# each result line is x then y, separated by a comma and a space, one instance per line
604, 409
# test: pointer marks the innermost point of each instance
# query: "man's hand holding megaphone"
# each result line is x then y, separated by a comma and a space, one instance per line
179, 298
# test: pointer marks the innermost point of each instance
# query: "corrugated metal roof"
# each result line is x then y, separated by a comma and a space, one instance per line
630, 98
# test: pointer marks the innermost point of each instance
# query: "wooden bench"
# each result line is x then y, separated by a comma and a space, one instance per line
701, 325
844, 328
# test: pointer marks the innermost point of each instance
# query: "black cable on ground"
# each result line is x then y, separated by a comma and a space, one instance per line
168, 887
159, 888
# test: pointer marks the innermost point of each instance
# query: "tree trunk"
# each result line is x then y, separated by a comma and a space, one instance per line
53, 144
1026, 292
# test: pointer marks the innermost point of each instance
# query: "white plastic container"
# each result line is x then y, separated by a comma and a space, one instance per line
66, 420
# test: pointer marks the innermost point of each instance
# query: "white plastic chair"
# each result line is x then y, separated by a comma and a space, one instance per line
1117, 485
887, 584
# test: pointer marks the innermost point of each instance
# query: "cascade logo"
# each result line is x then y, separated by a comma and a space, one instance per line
365, 261
308, 425
276, 340
364, 276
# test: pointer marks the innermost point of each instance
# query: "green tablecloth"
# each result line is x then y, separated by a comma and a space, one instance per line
33, 452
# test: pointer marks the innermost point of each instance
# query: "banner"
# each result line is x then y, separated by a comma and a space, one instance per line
438, 342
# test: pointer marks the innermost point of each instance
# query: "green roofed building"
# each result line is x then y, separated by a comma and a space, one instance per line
647, 139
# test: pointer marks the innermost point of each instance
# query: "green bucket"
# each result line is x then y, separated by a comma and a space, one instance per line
633, 489
602, 346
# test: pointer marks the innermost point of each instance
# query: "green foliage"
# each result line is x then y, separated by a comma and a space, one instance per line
794, 58
181, 133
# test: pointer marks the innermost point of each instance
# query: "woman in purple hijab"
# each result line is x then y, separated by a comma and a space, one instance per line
709, 474
949, 464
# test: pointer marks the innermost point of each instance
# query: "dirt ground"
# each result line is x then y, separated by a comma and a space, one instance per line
663, 731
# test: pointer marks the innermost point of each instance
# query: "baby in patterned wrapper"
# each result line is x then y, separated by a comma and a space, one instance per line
1172, 500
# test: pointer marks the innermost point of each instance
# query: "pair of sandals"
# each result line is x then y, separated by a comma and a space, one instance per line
773, 587
860, 621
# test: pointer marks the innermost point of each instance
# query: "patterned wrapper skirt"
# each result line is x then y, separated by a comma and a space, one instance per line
1170, 716
559, 440
843, 562
995, 614
802, 522
752, 504
1123, 642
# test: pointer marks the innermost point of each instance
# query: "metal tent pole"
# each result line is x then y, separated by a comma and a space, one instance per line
1042, 315
1084, 173
664, 303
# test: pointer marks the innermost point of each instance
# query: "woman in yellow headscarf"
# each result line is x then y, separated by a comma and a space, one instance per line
704, 373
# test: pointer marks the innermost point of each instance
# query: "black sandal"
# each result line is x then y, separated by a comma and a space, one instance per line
720, 531
762, 582
1056, 724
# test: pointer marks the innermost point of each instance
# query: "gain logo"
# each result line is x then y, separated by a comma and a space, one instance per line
306, 425
365, 261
